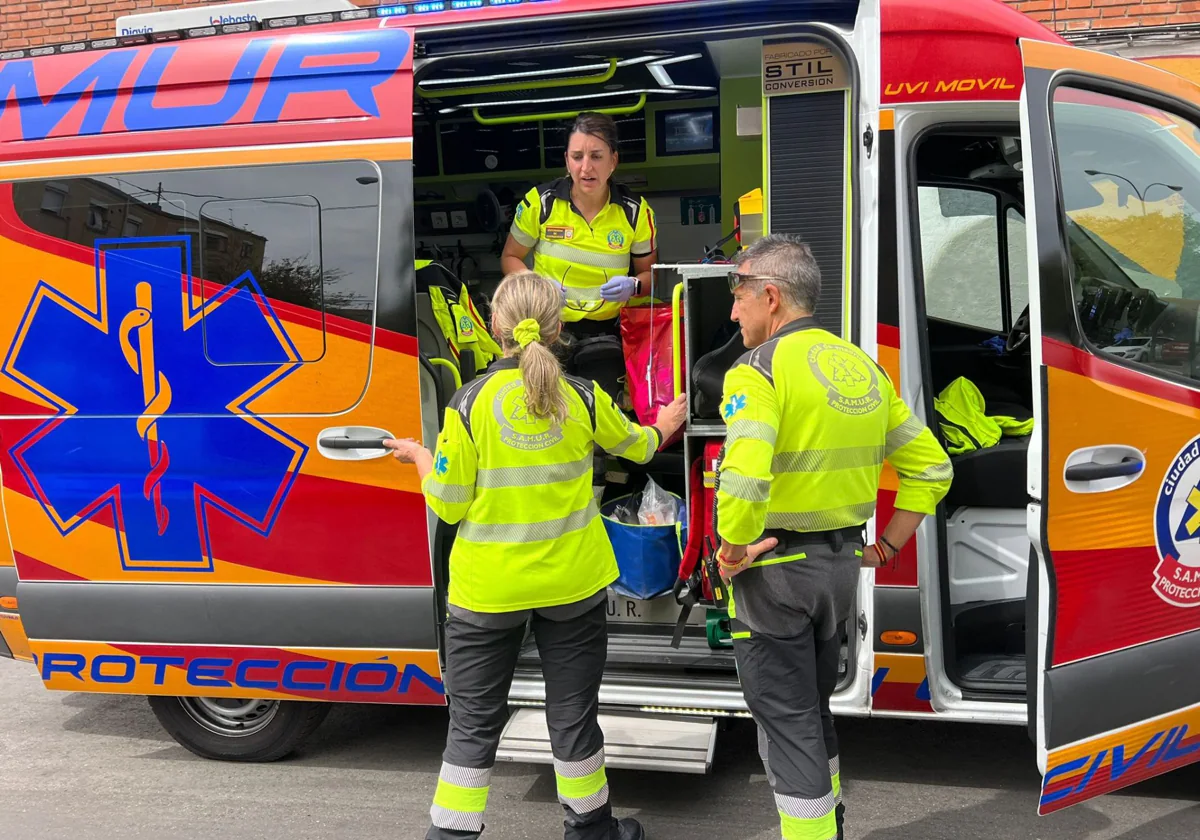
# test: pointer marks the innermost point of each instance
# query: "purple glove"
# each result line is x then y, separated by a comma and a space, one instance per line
619, 289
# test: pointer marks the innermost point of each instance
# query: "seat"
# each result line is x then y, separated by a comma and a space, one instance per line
992, 477
708, 376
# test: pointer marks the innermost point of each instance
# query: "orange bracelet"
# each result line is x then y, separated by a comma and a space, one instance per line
725, 565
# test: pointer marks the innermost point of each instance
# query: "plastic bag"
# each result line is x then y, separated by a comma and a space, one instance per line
626, 514
646, 341
658, 506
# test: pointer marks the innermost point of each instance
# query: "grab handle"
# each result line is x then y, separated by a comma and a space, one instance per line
677, 338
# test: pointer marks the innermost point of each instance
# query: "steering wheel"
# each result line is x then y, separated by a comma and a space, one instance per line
1018, 336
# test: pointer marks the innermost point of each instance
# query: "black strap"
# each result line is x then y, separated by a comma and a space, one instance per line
942, 419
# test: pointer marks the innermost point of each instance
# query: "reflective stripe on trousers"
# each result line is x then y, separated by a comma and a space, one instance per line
835, 774
835, 771
806, 819
582, 785
461, 798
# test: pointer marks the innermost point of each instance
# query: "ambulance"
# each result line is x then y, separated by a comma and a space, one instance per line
213, 313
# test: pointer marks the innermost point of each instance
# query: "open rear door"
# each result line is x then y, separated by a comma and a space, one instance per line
1112, 181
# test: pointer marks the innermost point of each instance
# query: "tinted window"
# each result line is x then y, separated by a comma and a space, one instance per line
960, 256
631, 140
1018, 264
469, 148
1130, 182
306, 235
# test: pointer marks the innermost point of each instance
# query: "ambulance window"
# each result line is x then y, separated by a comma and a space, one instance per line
302, 236
1130, 184
960, 255
1018, 264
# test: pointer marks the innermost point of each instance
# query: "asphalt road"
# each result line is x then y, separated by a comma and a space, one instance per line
94, 766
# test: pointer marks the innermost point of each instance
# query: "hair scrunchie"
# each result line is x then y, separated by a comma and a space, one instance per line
527, 332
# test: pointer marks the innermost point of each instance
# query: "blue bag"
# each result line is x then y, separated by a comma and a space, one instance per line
647, 555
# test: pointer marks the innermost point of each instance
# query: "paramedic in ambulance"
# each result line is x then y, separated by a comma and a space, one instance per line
810, 421
593, 237
513, 466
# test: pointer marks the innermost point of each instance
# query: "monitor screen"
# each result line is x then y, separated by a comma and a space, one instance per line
686, 132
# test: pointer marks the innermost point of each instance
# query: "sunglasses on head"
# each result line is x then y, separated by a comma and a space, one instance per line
736, 279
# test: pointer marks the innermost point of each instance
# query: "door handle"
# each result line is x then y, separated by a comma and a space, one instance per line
1091, 471
352, 443
1099, 469
346, 442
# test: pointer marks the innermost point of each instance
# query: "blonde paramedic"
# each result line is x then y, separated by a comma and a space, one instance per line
513, 467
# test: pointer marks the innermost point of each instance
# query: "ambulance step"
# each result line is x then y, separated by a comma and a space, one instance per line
652, 650
994, 672
632, 741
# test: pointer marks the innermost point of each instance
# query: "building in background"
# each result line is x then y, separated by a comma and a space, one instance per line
1138, 29
1131, 28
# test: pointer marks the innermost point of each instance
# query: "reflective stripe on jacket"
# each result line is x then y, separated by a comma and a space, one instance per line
810, 421
520, 488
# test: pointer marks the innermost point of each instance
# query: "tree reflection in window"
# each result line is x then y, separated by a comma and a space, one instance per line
308, 233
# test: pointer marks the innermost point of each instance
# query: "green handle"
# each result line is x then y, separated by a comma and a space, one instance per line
561, 115
454, 370
508, 87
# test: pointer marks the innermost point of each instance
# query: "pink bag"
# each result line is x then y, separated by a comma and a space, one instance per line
646, 339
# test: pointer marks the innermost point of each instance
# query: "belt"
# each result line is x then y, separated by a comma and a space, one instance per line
790, 541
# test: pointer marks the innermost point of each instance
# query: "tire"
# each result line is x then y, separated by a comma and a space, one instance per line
238, 730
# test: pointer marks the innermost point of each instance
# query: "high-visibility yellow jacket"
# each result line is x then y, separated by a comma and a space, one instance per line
582, 256
530, 534
966, 425
461, 324
810, 420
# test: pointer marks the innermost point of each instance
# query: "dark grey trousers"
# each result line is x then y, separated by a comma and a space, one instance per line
789, 675
788, 683
479, 672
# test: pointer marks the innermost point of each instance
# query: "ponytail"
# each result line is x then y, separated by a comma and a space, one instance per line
526, 313
542, 374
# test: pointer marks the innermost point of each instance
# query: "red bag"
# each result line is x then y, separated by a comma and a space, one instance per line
647, 342
702, 482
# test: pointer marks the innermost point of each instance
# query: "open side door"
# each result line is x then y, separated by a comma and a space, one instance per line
1111, 150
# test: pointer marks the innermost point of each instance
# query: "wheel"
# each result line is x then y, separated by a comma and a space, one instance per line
228, 729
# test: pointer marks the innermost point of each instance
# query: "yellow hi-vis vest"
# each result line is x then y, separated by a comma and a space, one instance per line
810, 420
530, 534
966, 425
461, 324
580, 256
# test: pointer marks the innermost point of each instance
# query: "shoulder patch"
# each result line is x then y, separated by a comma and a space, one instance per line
733, 406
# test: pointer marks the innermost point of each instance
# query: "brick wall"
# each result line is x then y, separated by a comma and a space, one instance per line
25, 23
1083, 15
32, 23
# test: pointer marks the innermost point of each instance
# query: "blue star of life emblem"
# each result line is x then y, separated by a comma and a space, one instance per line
736, 403
147, 428
441, 464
